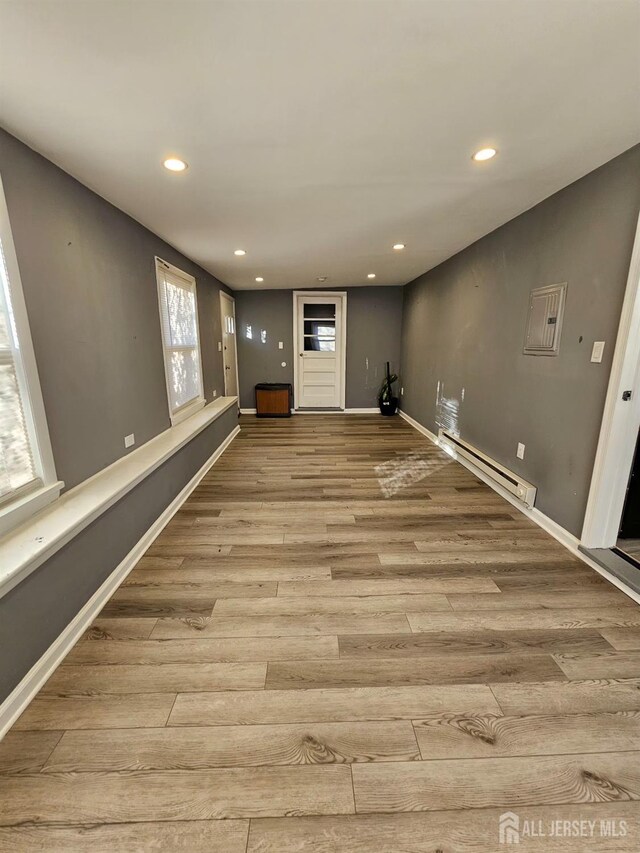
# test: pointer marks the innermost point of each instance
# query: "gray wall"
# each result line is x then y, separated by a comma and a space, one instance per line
88, 274
89, 282
464, 326
35, 612
374, 322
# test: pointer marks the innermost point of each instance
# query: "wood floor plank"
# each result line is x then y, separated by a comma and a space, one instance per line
212, 650
207, 571
522, 620
329, 705
554, 600
445, 831
321, 605
589, 696
488, 642
71, 680
489, 735
282, 626
86, 712
120, 629
175, 795
623, 639
489, 782
391, 587
452, 669
196, 747
197, 836
22, 752
613, 664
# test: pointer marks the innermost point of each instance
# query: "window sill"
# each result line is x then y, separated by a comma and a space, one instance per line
187, 412
29, 546
18, 511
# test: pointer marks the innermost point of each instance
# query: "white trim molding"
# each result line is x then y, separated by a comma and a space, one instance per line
46, 487
570, 542
331, 294
620, 422
29, 546
25, 691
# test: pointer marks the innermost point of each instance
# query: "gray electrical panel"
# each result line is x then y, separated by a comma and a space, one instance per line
544, 322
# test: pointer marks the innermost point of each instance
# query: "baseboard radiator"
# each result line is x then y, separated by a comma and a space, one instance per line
518, 487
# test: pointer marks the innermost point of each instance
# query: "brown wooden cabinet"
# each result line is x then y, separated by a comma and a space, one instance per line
273, 400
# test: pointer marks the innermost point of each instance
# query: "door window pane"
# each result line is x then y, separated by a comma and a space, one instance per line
313, 311
324, 328
312, 343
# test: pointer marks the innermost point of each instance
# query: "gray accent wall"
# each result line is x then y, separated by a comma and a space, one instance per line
34, 613
374, 324
88, 274
463, 333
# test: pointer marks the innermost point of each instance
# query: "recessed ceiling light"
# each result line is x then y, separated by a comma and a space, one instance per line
174, 164
398, 246
371, 275
259, 278
485, 154
239, 252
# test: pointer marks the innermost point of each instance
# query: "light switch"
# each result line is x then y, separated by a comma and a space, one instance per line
597, 352
520, 451
280, 345
219, 346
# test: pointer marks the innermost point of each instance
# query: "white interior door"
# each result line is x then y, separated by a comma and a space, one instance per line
229, 352
320, 368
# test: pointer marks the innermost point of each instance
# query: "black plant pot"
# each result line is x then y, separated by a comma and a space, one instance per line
388, 407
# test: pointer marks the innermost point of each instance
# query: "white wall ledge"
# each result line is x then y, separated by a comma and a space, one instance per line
34, 542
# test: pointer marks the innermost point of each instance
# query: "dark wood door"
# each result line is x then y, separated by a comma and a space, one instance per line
630, 528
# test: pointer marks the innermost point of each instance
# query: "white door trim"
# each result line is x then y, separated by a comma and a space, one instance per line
224, 295
620, 422
342, 295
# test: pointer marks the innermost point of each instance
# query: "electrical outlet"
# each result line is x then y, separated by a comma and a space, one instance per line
219, 346
597, 352
215, 393
129, 440
280, 345
520, 451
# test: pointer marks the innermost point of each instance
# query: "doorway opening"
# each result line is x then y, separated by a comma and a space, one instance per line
319, 333
229, 348
613, 508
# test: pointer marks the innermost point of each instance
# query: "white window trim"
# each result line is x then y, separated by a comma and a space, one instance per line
16, 511
178, 415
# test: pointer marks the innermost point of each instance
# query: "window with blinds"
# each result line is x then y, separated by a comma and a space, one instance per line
17, 469
180, 340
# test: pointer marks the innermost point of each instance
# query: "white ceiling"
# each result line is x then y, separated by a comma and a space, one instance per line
319, 133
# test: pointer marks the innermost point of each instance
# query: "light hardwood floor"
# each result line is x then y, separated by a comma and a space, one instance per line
342, 643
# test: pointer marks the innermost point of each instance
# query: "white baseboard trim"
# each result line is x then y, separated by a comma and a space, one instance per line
42, 670
371, 411
570, 542
430, 435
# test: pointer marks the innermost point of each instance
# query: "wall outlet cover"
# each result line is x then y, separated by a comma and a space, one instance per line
520, 451
597, 352
129, 440
219, 346
280, 345
215, 393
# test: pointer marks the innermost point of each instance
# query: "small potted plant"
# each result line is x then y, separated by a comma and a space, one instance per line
386, 400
